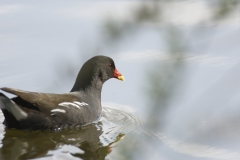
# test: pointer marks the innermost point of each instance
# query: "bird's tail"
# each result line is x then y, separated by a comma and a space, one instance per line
11, 107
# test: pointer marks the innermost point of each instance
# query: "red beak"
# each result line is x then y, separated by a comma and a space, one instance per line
118, 75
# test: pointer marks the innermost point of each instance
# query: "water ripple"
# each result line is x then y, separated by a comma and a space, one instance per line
96, 141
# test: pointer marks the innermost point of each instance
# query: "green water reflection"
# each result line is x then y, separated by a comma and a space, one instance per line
84, 143
94, 141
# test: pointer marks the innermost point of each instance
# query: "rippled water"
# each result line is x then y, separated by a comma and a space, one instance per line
90, 142
96, 141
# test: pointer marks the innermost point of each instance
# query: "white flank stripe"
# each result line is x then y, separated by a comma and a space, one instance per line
67, 104
85, 104
64, 104
58, 110
79, 103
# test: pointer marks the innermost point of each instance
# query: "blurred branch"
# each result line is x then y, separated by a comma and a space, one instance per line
165, 78
147, 12
224, 8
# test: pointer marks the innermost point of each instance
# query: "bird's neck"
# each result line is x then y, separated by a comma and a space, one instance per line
89, 86
88, 81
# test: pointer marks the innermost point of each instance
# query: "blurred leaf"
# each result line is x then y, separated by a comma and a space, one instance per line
224, 8
147, 12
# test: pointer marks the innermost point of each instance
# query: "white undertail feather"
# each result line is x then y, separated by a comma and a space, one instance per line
10, 106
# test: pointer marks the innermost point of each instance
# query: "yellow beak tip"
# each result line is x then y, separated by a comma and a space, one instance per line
121, 78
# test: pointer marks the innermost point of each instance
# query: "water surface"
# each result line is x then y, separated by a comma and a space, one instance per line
93, 141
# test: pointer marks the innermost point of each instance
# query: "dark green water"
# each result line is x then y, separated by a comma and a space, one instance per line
94, 141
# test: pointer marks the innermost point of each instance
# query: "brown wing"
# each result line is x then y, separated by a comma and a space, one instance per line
44, 101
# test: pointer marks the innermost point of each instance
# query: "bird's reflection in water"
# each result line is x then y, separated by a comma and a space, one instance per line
96, 141
93, 141
84, 143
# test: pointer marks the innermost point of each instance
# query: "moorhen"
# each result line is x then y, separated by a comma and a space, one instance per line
79, 107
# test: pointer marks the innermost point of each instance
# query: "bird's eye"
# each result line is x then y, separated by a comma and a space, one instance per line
110, 65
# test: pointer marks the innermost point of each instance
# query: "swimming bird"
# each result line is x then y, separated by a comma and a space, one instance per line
79, 107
